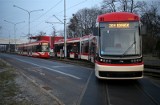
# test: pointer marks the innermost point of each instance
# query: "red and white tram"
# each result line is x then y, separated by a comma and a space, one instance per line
88, 47
73, 46
77, 48
35, 49
58, 48
119, 54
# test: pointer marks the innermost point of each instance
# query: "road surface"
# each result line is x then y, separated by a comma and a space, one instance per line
77, 85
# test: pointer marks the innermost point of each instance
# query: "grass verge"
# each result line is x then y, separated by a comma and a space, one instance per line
8, 88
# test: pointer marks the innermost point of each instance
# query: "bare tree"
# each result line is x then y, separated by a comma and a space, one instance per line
151, 19
109, 5
41, 33
83, 21
138, 7
73, 26
123, 5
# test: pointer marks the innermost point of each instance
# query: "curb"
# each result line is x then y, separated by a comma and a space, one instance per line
37, 85
45, 91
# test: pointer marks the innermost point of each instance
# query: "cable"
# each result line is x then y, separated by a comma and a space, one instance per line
72, 6
63, 10
58, 12
44, 14
48, 10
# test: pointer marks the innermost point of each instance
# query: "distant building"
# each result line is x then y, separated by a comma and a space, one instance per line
8, 45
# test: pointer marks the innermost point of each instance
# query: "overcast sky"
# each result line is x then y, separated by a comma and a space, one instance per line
51, 7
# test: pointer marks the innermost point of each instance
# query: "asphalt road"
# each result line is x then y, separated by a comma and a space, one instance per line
77, 85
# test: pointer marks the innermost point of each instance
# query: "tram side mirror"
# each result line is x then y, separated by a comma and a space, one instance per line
143, 30
95, 31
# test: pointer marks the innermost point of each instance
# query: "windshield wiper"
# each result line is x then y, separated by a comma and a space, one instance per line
134, 43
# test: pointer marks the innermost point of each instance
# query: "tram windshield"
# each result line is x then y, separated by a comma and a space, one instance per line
45, 47
119, 39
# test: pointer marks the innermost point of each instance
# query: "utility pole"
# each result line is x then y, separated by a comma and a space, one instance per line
65, 35
29, 17
9, 44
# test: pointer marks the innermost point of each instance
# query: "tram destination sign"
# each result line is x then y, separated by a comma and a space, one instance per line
118, 25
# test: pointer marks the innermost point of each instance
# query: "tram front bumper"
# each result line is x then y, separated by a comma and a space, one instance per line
119, 72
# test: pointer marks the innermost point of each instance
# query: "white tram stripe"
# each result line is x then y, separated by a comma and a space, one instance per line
70, 75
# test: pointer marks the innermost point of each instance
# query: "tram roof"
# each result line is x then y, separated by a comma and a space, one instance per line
118, 16
73, 40
69, 40
33, 43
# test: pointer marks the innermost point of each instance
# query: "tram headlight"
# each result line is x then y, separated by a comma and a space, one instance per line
136, 60
107, 61
104, 60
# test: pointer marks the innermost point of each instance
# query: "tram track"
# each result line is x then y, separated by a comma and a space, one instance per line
153, 72
148, 87
93, 91
106, 85
107, 99
147, 94
127, 93
84, 89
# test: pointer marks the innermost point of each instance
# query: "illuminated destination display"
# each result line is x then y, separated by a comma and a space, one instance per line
44, 43
119, 25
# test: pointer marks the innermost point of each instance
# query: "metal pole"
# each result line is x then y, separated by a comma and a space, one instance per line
29, 25
29, 13
15, 37
65, 36
9, 43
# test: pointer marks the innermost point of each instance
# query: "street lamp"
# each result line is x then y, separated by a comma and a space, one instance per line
14, 29
29, 13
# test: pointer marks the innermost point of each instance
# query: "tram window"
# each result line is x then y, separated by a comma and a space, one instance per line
38, 48
86, 49
74, 49
45, 48
33, 48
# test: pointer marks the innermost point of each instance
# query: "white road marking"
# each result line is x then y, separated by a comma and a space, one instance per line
70, 75
84, 89
62, 66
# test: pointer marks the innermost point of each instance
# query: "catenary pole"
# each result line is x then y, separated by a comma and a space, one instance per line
65, 34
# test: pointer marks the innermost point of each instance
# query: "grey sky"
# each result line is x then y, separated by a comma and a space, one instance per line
51, 7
